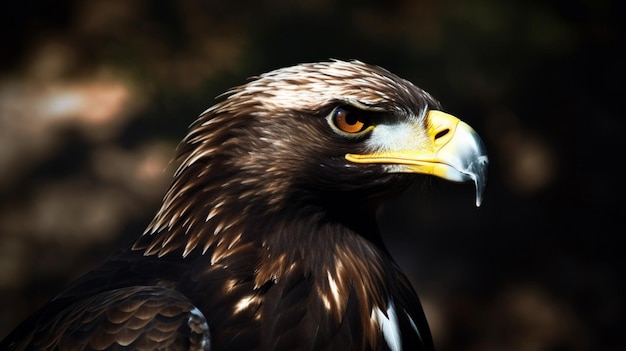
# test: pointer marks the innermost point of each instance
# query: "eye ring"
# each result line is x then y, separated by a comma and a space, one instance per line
349, 121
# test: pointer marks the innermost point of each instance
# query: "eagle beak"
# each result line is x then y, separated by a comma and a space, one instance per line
455, 152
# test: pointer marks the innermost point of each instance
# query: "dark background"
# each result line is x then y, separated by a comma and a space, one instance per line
95, 95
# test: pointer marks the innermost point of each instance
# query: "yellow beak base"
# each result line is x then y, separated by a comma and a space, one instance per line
455, 152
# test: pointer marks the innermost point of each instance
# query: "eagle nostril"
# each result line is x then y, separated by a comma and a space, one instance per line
441, 133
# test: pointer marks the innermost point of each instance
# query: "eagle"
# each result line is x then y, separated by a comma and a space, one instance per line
267, 237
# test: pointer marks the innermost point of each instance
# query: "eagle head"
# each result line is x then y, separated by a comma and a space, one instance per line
336, 136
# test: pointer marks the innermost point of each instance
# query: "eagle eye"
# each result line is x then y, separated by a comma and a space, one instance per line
350, 121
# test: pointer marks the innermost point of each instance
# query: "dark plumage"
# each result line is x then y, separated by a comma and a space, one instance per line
267, 237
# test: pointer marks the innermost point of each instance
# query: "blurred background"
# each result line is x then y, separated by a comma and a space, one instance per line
95, 95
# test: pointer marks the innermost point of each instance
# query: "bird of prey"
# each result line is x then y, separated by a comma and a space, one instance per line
267, 237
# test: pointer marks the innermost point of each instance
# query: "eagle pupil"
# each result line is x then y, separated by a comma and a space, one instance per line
351, 118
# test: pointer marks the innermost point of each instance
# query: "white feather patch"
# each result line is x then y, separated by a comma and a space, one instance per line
388, 324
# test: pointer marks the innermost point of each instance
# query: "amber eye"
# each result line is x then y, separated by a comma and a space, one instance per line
349, 121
